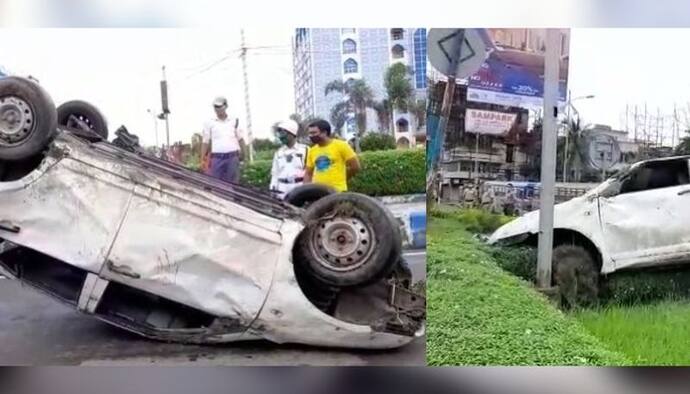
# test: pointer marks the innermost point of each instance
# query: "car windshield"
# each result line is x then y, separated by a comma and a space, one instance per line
613, 181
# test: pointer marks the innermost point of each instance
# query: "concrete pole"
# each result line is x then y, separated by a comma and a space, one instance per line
167, 122
548, 158
250, 137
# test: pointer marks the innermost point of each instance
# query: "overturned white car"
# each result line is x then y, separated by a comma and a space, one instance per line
175, 255
640, 218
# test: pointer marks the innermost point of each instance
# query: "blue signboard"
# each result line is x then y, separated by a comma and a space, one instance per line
497, 75
513, 73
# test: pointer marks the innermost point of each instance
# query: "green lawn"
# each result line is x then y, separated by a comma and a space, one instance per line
655, 334
479, 314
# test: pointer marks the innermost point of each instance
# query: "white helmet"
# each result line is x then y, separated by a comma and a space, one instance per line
289, 125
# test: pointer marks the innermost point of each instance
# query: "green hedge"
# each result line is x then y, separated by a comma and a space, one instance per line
384, 173
480, 315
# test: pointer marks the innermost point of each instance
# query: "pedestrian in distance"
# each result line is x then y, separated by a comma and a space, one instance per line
223, 146
330, 161
289, 161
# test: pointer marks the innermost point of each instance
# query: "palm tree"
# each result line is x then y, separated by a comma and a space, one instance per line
384, 113
303, 125
399, 86
575, 159
418, 110
357, 97
338, 117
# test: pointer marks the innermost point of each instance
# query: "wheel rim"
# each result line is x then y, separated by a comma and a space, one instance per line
16, 120
342, 243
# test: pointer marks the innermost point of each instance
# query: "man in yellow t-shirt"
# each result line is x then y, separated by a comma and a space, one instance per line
330, 161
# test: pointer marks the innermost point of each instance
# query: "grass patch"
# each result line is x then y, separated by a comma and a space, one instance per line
653, 334
643, 316
480, 315
476, 221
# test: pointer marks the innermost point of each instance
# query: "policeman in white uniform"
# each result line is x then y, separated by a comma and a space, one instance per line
289, 161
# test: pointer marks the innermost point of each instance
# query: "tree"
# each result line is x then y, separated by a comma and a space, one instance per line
575, 158
384, 113
264, 144
418, 110
339, 114
357, 97
398, 84
532, 148
303, 125
683, 147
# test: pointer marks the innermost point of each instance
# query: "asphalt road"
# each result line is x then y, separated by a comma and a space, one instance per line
36, 330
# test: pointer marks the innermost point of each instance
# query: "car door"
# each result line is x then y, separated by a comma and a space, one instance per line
198, 250
648, 221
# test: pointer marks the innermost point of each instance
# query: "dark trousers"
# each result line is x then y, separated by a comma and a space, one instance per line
226, 166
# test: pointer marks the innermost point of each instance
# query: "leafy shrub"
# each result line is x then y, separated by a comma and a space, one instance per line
256, 174
390, 173
377, 141
384, 173
264, 144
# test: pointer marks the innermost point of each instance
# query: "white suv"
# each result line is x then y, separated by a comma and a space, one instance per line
639, 218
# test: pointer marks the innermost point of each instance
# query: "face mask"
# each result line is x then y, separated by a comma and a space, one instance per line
315, 138
283, 139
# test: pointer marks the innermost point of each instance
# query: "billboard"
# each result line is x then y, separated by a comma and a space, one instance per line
488, 122
513, 73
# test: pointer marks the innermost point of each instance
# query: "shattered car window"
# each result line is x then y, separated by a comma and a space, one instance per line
656, 175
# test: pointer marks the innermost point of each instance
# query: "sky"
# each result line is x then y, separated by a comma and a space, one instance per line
633, 67
119, 71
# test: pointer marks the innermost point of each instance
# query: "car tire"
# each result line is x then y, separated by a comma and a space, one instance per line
304, 195
28, 120
576, 275
348, 241
85, 112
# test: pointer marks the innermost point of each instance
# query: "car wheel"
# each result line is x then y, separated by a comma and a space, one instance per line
349, 241
304, 195
81, 115
27, 119
576, 275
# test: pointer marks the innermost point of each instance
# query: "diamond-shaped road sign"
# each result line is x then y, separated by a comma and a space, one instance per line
442, 48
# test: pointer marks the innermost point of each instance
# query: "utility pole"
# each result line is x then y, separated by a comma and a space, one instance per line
250, 138
166, 109
548, 161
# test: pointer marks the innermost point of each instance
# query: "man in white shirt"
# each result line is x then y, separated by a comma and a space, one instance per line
289, 160
227, 145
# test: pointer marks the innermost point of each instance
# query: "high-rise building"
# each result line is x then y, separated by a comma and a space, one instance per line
324, 55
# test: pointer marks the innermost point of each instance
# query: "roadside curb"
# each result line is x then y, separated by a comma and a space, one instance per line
404, 199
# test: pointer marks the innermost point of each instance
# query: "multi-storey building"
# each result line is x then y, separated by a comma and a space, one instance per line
324, 55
